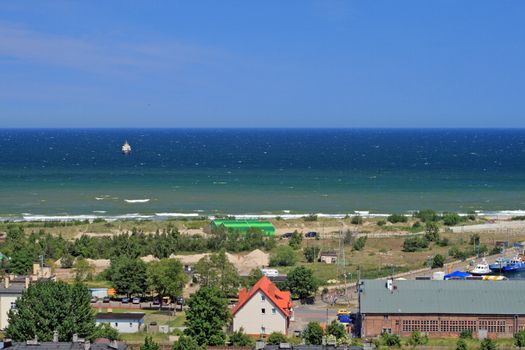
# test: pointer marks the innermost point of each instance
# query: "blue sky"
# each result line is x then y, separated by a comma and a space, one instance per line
262, 63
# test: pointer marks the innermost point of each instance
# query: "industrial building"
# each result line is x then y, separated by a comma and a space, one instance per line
441, 308
243, 226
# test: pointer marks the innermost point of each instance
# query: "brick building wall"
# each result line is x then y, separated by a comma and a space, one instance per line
496, 326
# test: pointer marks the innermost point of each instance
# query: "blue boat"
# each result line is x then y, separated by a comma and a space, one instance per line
515, 265
499, 264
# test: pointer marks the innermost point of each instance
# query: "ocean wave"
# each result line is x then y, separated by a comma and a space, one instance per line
177, 214
59, 217
146, 200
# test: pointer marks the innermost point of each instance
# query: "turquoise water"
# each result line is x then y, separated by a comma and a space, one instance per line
82, 172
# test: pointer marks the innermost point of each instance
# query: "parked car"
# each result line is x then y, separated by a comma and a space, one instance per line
311, 234
125, 300
94, 299
156, 301
287, 235
180, 301
136, 300
106, 300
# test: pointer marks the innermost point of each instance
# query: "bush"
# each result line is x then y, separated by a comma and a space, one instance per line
359, 243
276, 338
444, 242
461, 344
295, 240
239, 338
283, 256
313, 334
311, 253
349, 237
451, 219
414, 244
474, 239
311, 217
395, 218
519, 339
427, 215
417, 339
381, 222
336, 329
432, 232
357, 220
391, 339
487, 344
438, 261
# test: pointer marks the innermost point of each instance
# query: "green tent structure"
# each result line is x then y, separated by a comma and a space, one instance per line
244, 225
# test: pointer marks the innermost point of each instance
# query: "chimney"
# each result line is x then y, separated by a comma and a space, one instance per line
75, 338
55, 336
87, 345
27, 282
6, 282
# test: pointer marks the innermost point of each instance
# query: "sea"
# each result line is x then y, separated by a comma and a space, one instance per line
61, 174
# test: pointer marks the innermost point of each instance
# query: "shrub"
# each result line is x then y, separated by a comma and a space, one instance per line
487, 344
239, 338
432, 231
466, 334
391, 339
415, 243
426, 215
283, 256
311, 253
295, 240
451, 219
461, 344
438, 261
417, 339
311, 217
357, 220
474, 239
359, 243
443, 242
381, 222
336, 329
313, 334
519, 339
276, 338
395, 218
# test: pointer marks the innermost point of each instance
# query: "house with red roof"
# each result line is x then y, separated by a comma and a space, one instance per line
263, 309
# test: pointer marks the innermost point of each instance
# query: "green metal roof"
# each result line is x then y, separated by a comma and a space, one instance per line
443, 297
244, 225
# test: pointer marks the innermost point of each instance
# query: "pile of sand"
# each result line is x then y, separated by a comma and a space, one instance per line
149, 258
99, 264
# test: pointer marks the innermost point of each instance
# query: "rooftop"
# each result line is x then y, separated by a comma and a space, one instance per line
120, 316
281, 299
443, 297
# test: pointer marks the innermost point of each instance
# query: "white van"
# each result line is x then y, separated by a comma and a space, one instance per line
270, 272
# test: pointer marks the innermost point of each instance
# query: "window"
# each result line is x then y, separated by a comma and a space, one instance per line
263, 297
13, 305
263, 330
386, 330
116, 324
273, 311
263, 311
385, 317
131, 324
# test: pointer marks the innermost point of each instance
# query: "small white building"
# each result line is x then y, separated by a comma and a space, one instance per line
128, 322
263, 310
10, 291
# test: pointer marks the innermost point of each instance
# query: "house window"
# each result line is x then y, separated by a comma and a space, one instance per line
131, 324
273, 311
263, 330
263, 297
13, 305
385, 317
263, 311
116, 324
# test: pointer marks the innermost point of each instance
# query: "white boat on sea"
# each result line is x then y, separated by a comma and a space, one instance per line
481, 269
126, 148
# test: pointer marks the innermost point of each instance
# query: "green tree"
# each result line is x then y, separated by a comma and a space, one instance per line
254, 276
438, 261
391, 339
283, 256
311, 254
461, 344
104, 330
360, 243
149, 344
216, 270
67, 261
49, 306
474, 239
519, 339
296, 240
128, 276
432, 231
240, 338
336, 329
186, 343
83, 270
166, 277
21, 262
427, 215
276, 338
302, 282
313, 333
451, 219
207, 315
466, 334
487, 344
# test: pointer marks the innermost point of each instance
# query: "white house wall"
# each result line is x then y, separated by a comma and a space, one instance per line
252, 320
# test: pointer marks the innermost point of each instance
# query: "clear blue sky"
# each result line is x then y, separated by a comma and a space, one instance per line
262, 63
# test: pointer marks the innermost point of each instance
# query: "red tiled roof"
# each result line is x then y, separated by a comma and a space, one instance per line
282, 300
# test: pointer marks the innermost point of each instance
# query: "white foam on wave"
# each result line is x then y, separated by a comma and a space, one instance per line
58, 217
99, 211
146, 200
182, 215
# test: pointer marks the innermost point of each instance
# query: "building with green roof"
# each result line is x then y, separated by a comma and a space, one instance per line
244, 225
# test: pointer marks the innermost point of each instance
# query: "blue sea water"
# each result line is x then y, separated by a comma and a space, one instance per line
209, 171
